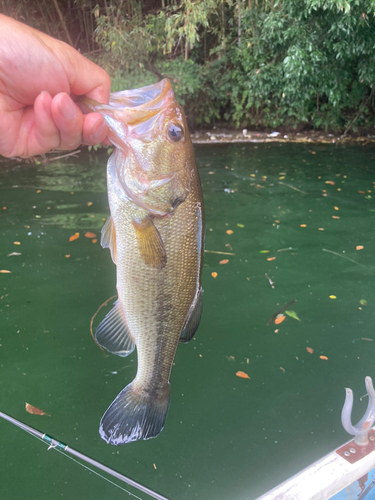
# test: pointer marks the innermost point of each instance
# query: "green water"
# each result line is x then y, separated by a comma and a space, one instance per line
225, 436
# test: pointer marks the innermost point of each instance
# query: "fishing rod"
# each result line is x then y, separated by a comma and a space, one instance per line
54, 444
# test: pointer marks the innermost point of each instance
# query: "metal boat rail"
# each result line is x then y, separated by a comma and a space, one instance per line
340, 468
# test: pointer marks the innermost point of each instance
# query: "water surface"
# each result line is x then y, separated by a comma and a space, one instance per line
295, 214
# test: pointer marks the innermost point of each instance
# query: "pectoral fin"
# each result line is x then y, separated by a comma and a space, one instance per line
108, 239
193, 320
150, 244
113, 334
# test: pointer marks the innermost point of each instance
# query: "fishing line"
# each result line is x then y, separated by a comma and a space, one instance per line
84, 466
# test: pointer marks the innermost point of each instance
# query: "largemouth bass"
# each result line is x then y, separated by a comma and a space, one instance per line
155, 235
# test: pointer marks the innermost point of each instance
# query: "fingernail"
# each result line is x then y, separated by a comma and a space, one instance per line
97, 130
67, 108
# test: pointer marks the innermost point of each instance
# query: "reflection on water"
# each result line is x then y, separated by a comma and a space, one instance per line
299, 220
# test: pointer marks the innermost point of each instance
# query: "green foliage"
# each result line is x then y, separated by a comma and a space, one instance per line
139, 77
265, 63
196, 89
308, 62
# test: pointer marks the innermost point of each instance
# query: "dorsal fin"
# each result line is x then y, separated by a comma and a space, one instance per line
108, 239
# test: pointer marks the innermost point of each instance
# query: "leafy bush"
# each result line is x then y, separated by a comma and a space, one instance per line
262, 63
276, 64
310, 62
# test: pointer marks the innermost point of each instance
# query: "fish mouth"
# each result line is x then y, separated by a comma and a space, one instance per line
132, 107
150, 98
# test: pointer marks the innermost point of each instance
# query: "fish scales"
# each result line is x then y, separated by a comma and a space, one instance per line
156, 302
155, 235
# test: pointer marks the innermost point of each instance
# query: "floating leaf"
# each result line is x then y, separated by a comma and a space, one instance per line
310, 350
363, 302
242, 375
323, 357
67, 256
293, 315
271, 258
359, 247
16, 243
229, 231
264, 251
13, 254
332, 297
5, 271
214, 275
240, 225
90, 235
225, 261
331, 183
74, 237
335, 217
279, 319
89, 203
34, 410
303, 225
94, 240
336, 208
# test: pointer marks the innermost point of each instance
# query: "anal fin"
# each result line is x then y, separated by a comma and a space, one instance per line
113, 334
193, 320
108, 239
150, 243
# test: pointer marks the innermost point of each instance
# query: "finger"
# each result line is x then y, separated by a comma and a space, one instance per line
94, 129
87, 78
46, 135
36, 131
68, 119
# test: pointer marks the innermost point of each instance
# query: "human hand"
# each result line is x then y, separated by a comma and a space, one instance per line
39, 75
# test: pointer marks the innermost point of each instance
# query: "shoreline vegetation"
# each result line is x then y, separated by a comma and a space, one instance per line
302, 68
214, 136
224, 136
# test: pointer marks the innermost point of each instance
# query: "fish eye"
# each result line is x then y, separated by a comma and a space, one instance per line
175, 132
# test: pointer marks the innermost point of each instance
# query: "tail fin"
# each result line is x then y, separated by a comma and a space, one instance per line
134, 415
